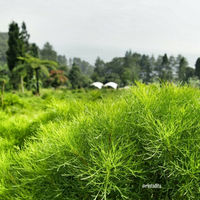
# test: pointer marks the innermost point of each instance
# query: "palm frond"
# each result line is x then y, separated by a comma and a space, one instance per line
44, 70
4, 79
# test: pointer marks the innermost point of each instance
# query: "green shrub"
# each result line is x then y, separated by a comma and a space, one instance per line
95, 94
108, 149
81, 90
11, 99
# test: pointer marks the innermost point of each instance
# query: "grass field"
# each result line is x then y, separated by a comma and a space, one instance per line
101, 144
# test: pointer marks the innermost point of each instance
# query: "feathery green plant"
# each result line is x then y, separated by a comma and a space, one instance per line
106, 149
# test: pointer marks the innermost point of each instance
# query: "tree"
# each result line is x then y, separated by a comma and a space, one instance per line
165, 71
85, 67
24, 36
4, 70
146, 69
189, 73
75, 76
22, 70
182, 69
137, 58
64, 68
85, 81
115, 66
154, 75
99, 67
164, 64
48, 53
37, 65
61, 60
197, 68
57, 78
126, 76
173, 64
70, 62
33, 50
15, 46
95, 77
130, 62
194, 81
128, 59
112, 78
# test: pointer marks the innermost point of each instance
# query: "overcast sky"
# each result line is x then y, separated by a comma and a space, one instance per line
108, 28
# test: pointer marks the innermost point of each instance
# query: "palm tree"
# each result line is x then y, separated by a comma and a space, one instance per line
37, 65
22, 69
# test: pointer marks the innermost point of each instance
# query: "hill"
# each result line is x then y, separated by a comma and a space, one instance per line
3, 46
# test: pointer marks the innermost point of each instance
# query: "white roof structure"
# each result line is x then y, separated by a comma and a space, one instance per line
97, 84
111, 84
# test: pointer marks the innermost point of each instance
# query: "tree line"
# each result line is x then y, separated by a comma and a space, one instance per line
24, 64
134, 67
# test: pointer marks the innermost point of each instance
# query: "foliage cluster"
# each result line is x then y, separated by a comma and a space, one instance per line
104, 149
57, 78
134, 66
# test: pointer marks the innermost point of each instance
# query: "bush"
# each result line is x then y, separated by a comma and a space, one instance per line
110, 149
95, 94
11, 99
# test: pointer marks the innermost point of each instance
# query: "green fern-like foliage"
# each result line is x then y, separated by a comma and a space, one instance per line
36, 64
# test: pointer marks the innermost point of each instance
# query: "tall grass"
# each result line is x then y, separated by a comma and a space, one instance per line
108, 148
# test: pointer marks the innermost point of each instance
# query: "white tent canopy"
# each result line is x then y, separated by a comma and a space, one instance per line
111, 84
97, 84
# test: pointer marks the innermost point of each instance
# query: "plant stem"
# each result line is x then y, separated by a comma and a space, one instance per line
2, 93
22, 84
37, 81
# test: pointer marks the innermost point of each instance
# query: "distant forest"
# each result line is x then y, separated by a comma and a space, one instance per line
24, 63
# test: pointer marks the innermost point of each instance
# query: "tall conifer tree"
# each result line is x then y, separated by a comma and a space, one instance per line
75, 76
25, 37
182, 69
15, 46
